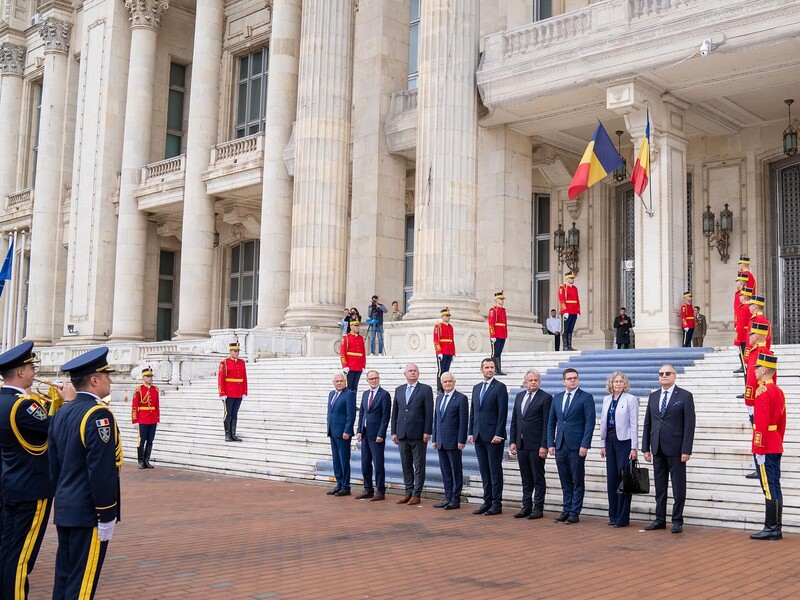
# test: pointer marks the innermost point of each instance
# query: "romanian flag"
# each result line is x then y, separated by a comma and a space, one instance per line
641, 170
600, 159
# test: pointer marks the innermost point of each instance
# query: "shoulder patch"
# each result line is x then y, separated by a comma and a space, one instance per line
37, 412
103, 429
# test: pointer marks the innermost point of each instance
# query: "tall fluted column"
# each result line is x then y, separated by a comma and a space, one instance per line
322, 165
197, 252
49, 171
446, 181
12, 65
276, 201
128, 311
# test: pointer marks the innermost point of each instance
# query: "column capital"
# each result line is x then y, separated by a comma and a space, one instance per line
146, 13
55, 34
12, 59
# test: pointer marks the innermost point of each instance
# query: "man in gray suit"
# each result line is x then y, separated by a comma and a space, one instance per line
412, 425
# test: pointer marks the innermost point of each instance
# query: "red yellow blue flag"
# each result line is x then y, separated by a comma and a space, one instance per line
600, 159
641, 170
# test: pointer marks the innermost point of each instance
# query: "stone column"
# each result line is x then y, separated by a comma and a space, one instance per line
322, 165
446, 188
276, 202
49, 171
12, 65
197, 251
127, 323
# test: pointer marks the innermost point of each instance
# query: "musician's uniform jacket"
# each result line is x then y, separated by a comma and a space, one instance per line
443, 339
145, 409
85, 456
568, 301
232, 378
769, 419
498, 323
24, 424
751, 383
352, 352
687, 316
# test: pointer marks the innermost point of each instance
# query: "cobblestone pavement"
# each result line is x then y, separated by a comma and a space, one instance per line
198, 536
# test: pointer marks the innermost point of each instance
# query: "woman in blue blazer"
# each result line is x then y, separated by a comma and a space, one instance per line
619, 435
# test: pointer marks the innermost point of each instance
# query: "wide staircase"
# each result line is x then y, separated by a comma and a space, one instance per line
283, 424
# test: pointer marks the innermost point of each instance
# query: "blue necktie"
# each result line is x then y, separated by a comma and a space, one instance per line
664, 403
566, 404
333, 400
409, 391
483, 392
444, 404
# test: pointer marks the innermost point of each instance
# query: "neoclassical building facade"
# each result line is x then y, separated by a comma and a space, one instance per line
177, 172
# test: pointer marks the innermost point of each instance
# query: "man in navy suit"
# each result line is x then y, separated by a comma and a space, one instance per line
373, 419
529, 443
412, 425
449, 438
667, 441
569, 437
341, 417
487, 430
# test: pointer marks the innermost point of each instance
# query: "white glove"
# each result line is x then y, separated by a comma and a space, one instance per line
686, 329
760, 459
223, 398
244, 397
105, 531
345, 370
750, 410
493, 340
439, 356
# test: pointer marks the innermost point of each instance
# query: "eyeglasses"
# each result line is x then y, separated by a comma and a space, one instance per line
372, 378
665, 373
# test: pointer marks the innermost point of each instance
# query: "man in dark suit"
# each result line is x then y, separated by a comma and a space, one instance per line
341, 417
373, 419
569, 437
412, 425
449, 438
487, 430
529, 443
667, 441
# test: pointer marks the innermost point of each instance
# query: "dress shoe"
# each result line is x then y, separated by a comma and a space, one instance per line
365, 496
501, 373
414, 500
524, 513
677, 528
618, 525
572, 519
753, 475
537, 514
481, 509
453, 506
493, 511
656, 525
378, 497
441, 504
611, 523
562, 518
343, 492
333, 492
404, 500
740, 396
740, 370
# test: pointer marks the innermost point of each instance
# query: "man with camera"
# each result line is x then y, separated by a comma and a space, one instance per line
375, 322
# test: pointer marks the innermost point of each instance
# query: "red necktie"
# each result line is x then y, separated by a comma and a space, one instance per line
371, 396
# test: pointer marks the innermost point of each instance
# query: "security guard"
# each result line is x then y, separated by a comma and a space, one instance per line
145, 412
687, 319
498, 329
445, 345
570, 304
232, 384
769, 428
28, 496
85, 456
353, 355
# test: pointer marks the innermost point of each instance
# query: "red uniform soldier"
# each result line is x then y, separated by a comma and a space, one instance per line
353, 354
769, 429
145, 411
756, 345
756, 307
445, 345
570, 306
687, 319
232, 383
498, 329
744, 269
739, 308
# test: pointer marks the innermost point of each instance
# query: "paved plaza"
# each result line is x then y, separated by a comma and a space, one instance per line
200, 536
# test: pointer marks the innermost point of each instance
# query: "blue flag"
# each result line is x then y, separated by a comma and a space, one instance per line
5, 271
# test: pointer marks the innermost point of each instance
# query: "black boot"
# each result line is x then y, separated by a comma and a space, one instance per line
570, 343
228, 436
770, 531
140, 457
147, 452
779, 517
567, 342
498, 364
233, 430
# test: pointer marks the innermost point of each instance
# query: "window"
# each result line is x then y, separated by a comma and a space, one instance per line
166, 296
408, 276
36, 114
540, 257
413, 46
251, 93
175, 105
542, 9
243, 285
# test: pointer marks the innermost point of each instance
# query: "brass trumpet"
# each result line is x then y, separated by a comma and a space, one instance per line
50, 397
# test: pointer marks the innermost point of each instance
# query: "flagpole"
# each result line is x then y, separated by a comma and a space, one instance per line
3, 345
19, 312
651, 212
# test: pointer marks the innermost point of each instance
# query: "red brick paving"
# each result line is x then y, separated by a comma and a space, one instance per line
198, 536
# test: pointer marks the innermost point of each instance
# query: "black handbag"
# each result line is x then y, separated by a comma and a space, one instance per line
634, 479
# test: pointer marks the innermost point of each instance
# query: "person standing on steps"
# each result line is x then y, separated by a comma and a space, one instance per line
445, 345
554, 325
570, 304
741, 323
623, 326
232, 384
687, 319
700, 328
145, 412
373, 419
341, 417
449, 438
498, 329
354, 356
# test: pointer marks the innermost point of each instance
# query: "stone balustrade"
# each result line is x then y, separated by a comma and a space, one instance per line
568, 26
236, 168
647, 8
158, 170
18, 208
20, 200
248, 147
401, 123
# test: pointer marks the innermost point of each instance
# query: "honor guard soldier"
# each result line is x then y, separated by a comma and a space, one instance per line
353, 355
741, 323
498, 329
744, 268
232, 384
27, 493
756, 307
687, 319
738, 301
85, 456
445, 345
769, 428
570, 305
145, 412
757, 344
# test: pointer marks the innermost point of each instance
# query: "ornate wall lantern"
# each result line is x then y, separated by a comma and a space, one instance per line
718, 232
567, 246
789, 134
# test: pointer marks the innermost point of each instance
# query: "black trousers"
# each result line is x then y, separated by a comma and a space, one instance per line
25, 524
412, 458
444, 367
534, 484
147, 433
231, 410
618, 454
671, 467
769, 475
79, 559
572, 474
497, 350
490, 464
452, 474
372, 454
687, 337
353, 377
558, 341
